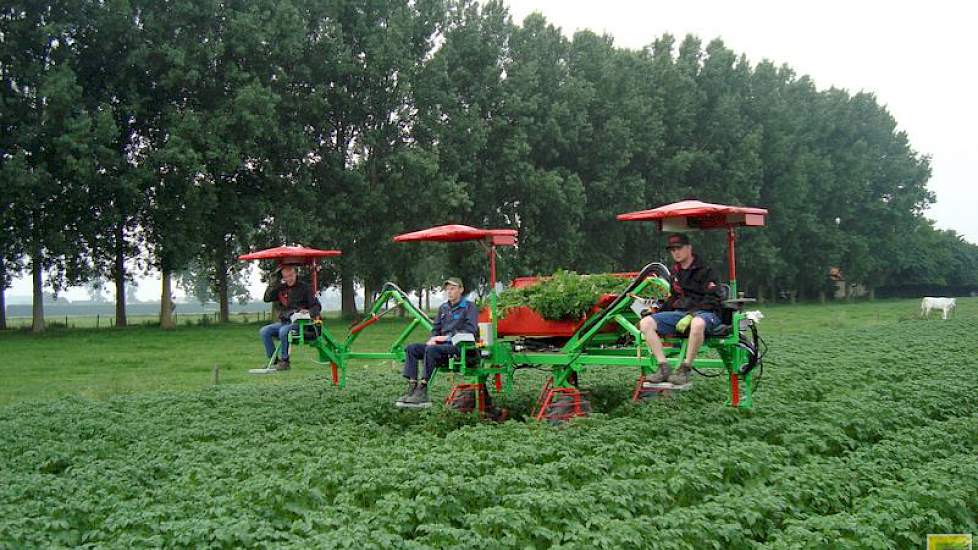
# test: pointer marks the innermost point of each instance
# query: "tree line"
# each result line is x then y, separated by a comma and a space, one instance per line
177, 134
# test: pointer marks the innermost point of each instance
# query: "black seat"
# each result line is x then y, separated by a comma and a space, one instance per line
720, 331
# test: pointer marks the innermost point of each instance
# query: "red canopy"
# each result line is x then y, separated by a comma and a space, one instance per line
698, 215
290, 254
455, 233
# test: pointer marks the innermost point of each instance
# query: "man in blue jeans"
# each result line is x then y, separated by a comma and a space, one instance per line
455, 316
288, 295
693, 308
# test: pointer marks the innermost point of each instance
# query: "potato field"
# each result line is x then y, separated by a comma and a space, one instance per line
864, 435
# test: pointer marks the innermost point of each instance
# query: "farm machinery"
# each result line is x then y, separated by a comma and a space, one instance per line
608, 335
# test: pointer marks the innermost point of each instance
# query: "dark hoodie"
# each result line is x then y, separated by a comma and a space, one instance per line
290, 299
694, 288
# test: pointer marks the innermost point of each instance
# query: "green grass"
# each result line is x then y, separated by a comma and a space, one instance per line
100, 363
856, 316
863, 435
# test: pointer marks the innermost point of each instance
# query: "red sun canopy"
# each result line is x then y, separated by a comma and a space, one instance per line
290, 254
456, 233
691, 214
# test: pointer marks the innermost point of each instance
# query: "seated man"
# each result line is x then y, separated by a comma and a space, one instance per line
457, 315
694, 305
289, 295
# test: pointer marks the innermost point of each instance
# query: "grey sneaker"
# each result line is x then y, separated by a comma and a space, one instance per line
660, 376
419, 398
412, 385
681, 377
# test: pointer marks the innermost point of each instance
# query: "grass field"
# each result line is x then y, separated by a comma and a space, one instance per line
864, 435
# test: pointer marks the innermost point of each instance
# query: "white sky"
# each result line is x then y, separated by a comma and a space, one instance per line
918, 58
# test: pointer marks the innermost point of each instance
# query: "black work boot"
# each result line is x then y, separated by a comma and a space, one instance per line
283, 364
659, 376
419, 398
412, 385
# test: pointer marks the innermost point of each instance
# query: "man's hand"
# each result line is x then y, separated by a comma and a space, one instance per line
683, 323
435, 340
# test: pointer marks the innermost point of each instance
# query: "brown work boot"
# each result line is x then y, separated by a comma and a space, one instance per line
681, 377
283, 364
660, 376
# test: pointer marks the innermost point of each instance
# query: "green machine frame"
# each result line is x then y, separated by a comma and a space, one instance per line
608, 337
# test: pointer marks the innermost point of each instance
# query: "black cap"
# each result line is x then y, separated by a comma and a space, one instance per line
677, 240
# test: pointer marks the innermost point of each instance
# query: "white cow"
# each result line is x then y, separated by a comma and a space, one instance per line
946, 305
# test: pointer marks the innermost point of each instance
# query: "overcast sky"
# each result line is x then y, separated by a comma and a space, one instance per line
918, 58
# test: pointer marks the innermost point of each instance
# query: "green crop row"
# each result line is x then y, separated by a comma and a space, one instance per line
859, 439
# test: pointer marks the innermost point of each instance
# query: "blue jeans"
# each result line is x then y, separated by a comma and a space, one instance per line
665, 321
268, 332
433, 356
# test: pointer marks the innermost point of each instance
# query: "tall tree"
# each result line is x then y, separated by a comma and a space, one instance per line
461, 105
175, 55
50, 141
107, 38
362, 58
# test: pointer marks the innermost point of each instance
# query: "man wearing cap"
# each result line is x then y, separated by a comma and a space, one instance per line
288, 295
455, 316
693, 307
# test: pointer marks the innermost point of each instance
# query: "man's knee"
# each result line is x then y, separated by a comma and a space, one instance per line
647, 324
433, 352
415, 350
697, 325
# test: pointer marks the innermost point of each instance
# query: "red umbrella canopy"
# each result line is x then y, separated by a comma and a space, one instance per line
290, 254
456, 233
694, 214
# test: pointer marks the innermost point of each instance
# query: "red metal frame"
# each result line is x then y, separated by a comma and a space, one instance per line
734, 390
458, 389
552, 393
458, 233
693, 214
704, 215
294, 255
731, 260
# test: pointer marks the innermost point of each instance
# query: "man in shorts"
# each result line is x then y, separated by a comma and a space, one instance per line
692, 309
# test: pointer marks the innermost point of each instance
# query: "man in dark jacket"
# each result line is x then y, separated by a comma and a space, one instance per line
455, 316
288, 296
694, 307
